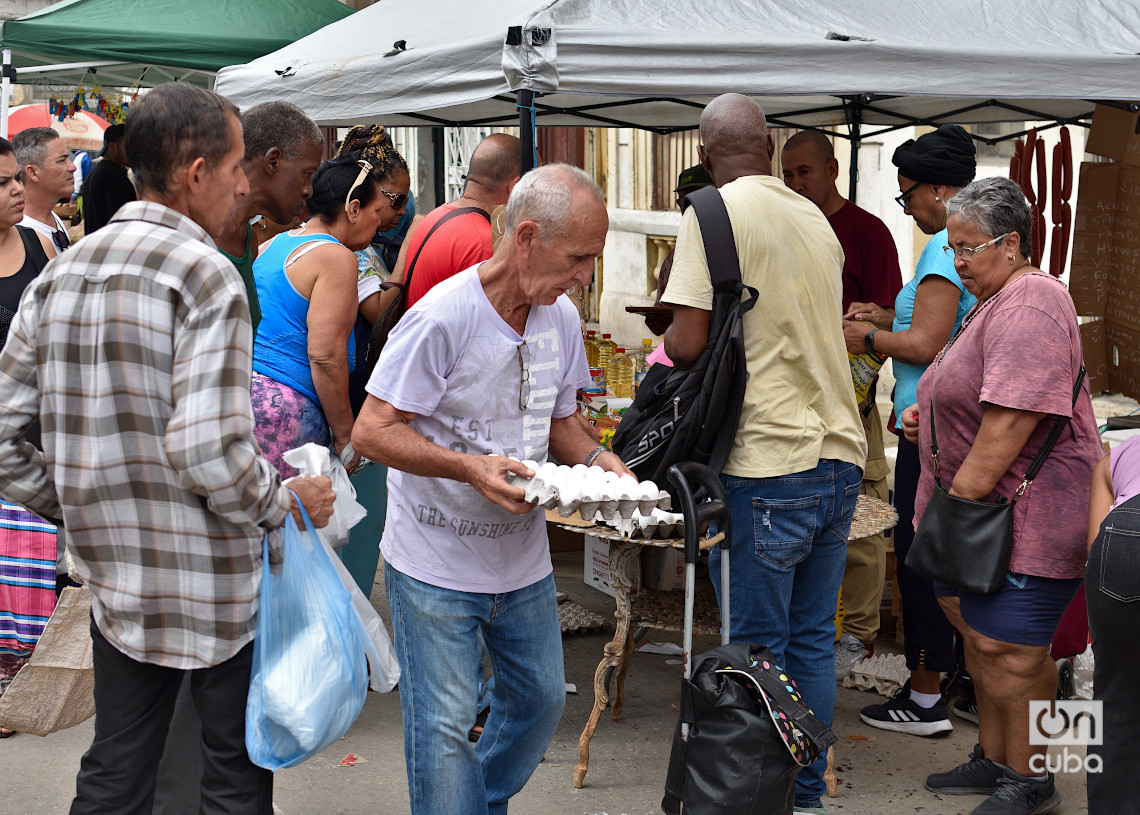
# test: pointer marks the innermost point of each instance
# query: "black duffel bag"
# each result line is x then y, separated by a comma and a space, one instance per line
749, 733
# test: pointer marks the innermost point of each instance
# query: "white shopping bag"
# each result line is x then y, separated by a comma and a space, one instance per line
313, 459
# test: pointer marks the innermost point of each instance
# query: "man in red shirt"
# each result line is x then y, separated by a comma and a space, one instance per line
870, 275
466, 239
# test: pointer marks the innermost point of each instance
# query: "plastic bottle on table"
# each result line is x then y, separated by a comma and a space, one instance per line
619, 374
606, 349
640, 364
592, 349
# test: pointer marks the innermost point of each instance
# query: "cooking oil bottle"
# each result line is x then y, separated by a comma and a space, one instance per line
592, 349
619, 374
640, 363
606, 348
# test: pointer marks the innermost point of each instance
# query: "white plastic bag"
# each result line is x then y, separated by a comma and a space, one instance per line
1083, 673
309, 676
313, 459
384, 669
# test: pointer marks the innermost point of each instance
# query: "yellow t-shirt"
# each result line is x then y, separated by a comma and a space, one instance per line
799, 406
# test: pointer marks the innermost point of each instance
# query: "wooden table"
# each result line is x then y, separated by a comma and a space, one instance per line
664, 610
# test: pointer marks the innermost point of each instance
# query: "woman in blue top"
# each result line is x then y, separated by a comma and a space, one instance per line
306, 283
928, 311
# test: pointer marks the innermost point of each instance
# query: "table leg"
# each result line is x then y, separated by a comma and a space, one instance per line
618, 701
829, 774
620, 553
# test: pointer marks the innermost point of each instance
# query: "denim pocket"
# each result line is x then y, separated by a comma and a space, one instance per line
784, 529
1120, 564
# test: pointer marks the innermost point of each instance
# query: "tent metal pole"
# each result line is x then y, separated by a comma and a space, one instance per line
528, 154
856, 120
5, 90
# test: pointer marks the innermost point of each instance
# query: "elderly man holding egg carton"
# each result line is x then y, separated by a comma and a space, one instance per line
481, 372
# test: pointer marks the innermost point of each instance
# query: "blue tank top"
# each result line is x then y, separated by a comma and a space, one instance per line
281, 347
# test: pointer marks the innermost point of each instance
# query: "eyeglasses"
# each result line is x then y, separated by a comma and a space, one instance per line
524, 377
398, 199
970, 254
901, 199
60, 239
365, 169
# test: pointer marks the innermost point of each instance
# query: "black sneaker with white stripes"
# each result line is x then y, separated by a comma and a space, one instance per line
902, 715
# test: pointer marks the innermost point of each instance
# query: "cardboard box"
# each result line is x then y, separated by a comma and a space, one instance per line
1115, 134
1105, 279
665, 569
596, 567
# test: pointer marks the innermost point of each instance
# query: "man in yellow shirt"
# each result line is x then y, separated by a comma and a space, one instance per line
794, 472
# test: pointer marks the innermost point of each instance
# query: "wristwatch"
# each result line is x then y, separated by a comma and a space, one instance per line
869, 340
593, 454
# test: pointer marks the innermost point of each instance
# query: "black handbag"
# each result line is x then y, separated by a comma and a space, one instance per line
750, 732
967, 544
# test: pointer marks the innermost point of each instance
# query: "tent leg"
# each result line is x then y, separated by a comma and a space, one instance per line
439, 178
853, 171
528, 155
5, 90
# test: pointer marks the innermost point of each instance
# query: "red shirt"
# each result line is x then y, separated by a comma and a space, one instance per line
870, 260
457, 245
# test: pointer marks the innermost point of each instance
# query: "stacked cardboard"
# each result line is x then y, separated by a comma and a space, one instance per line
1105, 278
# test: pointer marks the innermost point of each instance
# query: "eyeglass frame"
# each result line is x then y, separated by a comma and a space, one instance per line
365, 169
966, 253
398, 199
901, 199
524, 378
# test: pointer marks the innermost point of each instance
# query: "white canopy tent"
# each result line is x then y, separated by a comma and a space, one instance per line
653, 64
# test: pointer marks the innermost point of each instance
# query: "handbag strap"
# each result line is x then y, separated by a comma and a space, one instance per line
455, 213
1054, 435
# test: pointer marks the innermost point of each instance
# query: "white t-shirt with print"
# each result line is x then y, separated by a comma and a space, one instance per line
455, 363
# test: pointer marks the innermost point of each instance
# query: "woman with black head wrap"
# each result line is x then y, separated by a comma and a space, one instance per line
928, 310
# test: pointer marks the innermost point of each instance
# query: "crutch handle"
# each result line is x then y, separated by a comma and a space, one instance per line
715, 508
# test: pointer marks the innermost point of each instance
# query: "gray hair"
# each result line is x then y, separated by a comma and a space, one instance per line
995, 206
31, 145
543, 196
281, 125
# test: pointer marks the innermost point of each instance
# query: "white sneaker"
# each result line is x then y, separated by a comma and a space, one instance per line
848, 651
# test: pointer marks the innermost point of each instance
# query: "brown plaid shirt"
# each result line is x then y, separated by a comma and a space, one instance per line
133, 349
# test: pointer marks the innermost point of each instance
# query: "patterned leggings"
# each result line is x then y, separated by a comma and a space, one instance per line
284, 419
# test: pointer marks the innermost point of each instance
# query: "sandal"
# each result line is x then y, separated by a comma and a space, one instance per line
5, 734
475, 732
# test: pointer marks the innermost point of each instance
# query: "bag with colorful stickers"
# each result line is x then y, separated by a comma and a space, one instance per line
750, 732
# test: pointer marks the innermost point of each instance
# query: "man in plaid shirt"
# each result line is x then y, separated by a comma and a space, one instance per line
133, 350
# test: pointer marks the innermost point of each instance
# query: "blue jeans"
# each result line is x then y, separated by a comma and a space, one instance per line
435, 631
789, 547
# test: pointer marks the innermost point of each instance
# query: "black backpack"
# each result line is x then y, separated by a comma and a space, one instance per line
691, 415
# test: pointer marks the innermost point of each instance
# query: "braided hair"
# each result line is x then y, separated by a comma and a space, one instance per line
374, 145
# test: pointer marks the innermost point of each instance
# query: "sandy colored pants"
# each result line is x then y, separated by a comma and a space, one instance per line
867, 557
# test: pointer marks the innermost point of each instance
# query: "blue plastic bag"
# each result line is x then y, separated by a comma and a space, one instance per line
309, 676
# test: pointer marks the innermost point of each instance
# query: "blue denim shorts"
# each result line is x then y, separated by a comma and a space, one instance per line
1025, 610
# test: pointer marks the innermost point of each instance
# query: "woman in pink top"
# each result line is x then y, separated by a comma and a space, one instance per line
996, 391
1112, 589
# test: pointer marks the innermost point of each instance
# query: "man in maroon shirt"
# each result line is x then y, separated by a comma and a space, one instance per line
870, 275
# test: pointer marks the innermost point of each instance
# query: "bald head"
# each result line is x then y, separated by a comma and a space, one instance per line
819, 144
733, 125
494, 166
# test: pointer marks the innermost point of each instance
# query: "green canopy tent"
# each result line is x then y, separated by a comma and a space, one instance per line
148, 42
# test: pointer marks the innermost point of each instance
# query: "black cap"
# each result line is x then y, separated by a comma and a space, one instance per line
696, 176
945, 156
112, 134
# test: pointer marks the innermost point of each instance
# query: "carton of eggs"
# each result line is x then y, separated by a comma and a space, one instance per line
590, 491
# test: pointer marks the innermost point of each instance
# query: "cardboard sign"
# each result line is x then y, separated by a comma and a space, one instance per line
1115, 134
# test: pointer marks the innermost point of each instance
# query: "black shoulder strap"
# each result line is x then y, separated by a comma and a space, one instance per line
33, 247
455, 213
720, 243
